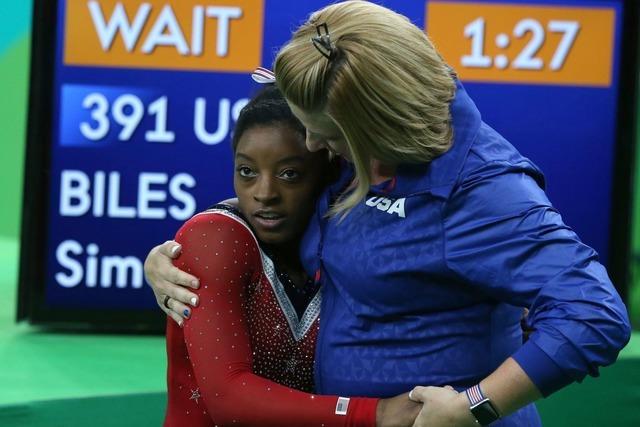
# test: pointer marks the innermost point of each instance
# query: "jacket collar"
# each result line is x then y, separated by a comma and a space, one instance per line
440, 175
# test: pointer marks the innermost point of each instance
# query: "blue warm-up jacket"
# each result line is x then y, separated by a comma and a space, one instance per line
424, 281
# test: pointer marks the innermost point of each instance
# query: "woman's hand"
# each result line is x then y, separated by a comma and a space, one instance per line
167, 280
398, 411
442, 407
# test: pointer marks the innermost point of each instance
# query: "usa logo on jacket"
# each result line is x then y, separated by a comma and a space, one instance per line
390, 206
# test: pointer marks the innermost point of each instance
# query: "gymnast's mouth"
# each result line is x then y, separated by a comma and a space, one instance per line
268, 219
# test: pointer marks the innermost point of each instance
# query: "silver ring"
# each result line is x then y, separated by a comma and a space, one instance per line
166, 301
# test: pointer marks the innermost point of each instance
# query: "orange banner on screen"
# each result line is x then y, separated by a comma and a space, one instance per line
164, 34
524, 43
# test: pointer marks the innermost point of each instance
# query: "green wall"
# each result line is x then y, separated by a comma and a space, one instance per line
633, 302
15, 27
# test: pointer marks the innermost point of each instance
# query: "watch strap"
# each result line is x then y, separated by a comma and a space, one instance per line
481, 407
474, 394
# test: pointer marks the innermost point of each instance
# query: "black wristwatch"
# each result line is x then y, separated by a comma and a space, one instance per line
481, 407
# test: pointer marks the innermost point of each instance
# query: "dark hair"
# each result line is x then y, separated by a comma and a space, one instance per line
268, 107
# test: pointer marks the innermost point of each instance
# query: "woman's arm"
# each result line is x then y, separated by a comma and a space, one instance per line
508, 388
503, 236
224, 255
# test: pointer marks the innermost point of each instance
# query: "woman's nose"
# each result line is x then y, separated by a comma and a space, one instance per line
314, 143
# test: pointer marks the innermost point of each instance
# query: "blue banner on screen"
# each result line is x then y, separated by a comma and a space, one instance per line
146, 96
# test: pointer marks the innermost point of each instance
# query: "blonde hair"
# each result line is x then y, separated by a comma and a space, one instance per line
386, 87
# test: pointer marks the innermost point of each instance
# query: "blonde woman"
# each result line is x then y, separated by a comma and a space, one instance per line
435, 233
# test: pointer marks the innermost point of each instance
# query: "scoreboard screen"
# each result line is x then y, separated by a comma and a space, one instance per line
133, 105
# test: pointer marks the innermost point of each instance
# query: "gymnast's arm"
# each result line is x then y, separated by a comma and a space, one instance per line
224, 255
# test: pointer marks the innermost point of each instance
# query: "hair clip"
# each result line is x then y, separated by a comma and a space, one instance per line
322, 42
263, 76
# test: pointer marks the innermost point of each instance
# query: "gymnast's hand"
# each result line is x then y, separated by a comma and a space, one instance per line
398, 411
443, 407
169, 283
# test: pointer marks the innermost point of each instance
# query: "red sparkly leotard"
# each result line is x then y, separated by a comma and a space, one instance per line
239, 358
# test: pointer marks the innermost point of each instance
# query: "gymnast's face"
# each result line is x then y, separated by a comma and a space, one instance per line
277, 181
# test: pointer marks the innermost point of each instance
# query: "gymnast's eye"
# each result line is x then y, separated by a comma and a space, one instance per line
245, 171
290, 174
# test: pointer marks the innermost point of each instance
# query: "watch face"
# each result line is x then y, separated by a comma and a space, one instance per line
485, 412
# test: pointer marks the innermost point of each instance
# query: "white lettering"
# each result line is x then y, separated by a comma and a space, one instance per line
223, 122
77, 197
118, 23
397, 208
92, 265
121, 267
74, 193
158, 108
200, 118
166, 32
237, 107
113, 199
75, 268
127, 269
175, 188
98, 194
224, 15
389, 206
384, 204
197, 30
147, 195
373, 201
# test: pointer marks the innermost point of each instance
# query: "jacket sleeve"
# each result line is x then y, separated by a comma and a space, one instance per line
503, 237
223, 254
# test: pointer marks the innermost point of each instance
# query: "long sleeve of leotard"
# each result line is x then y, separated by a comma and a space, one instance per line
224, 255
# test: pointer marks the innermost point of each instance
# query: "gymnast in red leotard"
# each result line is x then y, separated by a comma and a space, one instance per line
245, 355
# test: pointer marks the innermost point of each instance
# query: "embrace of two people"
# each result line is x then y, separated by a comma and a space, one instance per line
301, 304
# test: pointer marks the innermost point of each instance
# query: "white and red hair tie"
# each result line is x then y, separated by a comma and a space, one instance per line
263, 76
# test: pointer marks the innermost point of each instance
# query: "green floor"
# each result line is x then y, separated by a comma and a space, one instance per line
72, 380
124, 410
42, 365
